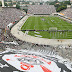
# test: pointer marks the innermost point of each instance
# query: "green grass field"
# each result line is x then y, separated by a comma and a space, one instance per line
44, 23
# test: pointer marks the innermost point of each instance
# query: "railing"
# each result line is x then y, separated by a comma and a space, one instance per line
50, 30
15, 23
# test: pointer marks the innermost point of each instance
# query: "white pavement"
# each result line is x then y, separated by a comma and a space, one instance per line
22, 36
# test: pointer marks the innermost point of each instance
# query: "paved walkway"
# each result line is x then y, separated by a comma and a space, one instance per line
22, 36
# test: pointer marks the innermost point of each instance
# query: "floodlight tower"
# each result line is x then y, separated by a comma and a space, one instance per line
2, 3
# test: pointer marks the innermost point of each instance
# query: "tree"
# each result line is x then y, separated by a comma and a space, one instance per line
0, 3
53, 3
61, 5
14, 2
67, 2
47, 2
27, 2
17, 6
5, 4
33, 3
25, 10
18, 2
41, 3
56, 1
10, 4
57, 5
61, 8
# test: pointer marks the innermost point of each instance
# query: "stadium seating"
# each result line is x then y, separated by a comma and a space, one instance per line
41, 9
68, 12
8, 15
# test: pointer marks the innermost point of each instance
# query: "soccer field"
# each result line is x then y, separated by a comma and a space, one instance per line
45, 23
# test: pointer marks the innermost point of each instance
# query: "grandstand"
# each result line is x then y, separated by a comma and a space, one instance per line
41, 9
8, 15
68, 12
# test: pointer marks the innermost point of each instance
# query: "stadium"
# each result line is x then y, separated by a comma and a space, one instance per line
37, 41
53, 27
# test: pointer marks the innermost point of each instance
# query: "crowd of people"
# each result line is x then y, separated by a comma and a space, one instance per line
9, 15
68, 12
64, 51
41, 9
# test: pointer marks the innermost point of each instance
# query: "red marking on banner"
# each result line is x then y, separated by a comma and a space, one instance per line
7, 59
27, 66
45, 69
49, 62
46, 61
26, 56
34, 56
43, 60
30, 56
17, 56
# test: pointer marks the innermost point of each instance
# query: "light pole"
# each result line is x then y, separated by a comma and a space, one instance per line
2, 3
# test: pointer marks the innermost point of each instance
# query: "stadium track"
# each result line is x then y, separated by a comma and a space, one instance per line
24, 37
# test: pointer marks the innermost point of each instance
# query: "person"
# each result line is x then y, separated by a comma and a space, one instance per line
63, 67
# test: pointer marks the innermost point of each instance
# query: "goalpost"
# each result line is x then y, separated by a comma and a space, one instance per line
53, 29
54, 32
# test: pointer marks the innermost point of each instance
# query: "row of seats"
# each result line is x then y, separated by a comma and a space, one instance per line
41, 9
68, 12
8, 15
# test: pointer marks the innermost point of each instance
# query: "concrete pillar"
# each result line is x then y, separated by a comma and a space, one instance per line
2, 3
